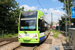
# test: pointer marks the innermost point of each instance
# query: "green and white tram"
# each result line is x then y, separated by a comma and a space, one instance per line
32, 27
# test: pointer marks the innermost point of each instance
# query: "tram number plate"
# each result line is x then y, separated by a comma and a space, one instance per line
26, 34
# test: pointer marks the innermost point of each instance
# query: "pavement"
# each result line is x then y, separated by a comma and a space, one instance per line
59, 43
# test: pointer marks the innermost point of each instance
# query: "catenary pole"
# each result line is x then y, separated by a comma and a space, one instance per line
68, 13
51, 20
65, 20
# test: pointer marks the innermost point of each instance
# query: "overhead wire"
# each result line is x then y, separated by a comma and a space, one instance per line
39, 4
42, 8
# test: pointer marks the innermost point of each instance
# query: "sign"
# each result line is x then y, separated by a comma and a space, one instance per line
72, 12
73, 2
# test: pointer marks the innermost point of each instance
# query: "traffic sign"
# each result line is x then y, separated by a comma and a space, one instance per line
73, 2
72, 12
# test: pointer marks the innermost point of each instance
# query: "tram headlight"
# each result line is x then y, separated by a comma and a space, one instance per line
36, 39
35, 36
19, 36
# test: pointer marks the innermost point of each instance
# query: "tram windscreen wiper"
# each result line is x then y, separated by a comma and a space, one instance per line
24, 31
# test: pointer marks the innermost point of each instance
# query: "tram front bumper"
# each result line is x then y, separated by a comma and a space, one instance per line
27, 38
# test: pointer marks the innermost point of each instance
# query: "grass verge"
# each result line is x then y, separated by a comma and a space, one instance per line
55, 33
9, 35
67, 38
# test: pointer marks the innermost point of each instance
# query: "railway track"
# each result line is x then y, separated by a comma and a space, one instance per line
13, 44
7, 41
26, 47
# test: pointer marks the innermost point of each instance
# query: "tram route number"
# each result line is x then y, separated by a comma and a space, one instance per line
26, 34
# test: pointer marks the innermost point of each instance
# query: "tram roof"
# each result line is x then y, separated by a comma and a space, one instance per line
40, 13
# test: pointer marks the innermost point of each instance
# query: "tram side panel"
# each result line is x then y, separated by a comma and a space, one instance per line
42, 29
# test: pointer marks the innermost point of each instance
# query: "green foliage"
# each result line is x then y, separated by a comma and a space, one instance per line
9, 13
67, 3
73, 20
61, 1
62, 21
67, 38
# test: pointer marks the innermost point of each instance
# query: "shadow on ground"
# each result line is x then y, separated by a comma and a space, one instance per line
32, 44
66, 46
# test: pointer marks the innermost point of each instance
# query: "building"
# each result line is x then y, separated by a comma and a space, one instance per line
54, 23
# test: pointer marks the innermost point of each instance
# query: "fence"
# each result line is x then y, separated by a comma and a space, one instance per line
4, 34
62, 28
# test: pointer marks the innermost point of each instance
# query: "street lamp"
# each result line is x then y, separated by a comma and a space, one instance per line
59, 25
51, 20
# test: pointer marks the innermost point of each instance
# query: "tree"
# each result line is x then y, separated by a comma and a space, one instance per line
70, 5
9, 13
67, 2
62, 21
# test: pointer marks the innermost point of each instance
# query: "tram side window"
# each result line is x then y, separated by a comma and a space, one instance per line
41, 26
45, 26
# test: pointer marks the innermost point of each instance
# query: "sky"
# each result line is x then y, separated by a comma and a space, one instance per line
49, 6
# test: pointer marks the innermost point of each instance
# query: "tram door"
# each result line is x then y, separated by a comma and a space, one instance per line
42, 26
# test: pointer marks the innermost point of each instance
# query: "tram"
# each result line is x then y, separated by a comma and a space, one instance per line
32, 28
